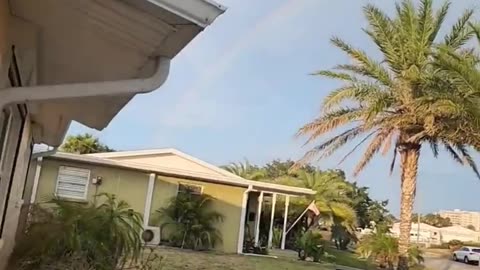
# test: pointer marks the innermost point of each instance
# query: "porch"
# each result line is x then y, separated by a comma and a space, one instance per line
265, 221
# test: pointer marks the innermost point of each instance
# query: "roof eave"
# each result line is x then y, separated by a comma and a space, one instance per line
200, 12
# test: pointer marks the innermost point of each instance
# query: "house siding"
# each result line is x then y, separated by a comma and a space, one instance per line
131, 186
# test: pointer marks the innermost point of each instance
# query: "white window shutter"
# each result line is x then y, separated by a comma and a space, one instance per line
72, 183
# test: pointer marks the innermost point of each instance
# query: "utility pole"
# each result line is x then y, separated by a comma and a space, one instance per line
418, 228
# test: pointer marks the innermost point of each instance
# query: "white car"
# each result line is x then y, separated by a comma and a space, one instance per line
467, 254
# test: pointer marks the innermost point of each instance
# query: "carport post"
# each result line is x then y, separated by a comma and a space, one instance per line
284, 234
272, 217
257, 220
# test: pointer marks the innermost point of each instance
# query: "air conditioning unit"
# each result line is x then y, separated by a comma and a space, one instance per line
151, 236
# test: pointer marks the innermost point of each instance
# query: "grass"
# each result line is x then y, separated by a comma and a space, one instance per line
347, 258
184, 259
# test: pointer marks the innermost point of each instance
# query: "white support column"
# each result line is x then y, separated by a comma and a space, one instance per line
243, 214
148, 199
284, 234
38, 170
257, 220
272, 217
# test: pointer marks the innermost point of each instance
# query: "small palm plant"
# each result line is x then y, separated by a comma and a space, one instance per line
104, 236
383, 249
193, 221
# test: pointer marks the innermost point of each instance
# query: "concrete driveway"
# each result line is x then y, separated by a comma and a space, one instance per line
446, 264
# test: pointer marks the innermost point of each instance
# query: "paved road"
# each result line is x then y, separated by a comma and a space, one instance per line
445, 264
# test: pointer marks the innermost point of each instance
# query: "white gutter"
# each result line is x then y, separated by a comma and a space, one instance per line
15, 95
243, 213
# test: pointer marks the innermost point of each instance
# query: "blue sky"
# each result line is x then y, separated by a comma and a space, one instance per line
241, 89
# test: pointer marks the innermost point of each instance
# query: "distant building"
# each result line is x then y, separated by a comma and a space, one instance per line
462, 218
426, 235
429, 235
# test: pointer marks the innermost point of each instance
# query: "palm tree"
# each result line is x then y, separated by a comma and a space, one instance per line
331, 196
84, 144
193, 220
407, 98
104, 236
246, 170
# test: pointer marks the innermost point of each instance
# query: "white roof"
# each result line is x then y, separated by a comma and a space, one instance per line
107, 159
457, 228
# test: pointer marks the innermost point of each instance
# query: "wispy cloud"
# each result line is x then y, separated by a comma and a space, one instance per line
199, 105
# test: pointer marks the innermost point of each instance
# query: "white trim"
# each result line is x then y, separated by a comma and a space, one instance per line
149, 199
200, 12
285, 217
243, 213
272, 217
36, 178
5, 142
15, 95
85, 193
258, 218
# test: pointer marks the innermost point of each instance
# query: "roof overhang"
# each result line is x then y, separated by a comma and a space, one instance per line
69, 42
184, 173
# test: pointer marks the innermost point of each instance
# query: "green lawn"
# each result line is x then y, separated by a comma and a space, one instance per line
187, 260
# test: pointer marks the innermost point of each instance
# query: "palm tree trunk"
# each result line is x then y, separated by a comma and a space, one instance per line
409, 154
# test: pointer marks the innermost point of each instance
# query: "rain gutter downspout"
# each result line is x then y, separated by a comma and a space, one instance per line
243, 213
15, 95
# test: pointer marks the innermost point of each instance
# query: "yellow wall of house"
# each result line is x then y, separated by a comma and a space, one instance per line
228, 201
131, 186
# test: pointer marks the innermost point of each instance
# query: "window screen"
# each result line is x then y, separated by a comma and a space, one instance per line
192, 189
72, 183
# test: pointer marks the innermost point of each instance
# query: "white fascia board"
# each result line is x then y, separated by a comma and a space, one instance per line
200, 12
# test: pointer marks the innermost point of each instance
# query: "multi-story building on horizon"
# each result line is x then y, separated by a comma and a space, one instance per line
462, 218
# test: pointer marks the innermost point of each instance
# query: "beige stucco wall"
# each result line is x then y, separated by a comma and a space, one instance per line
4, 42
131, 186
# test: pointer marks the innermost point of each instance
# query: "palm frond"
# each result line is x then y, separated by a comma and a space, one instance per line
460, 32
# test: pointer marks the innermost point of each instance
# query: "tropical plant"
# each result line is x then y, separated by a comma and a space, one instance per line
383, 249
98, 237
277, 237
246, 170
310, 244
193, 221
411, 96
280, 168
331, 196
432, 219
84, 144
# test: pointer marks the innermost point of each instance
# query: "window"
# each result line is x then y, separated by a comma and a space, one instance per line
192, 189
72, 183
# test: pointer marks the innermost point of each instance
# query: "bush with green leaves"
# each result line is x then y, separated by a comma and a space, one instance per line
103, 236
382, 248
192, 220
454, 244
310, 245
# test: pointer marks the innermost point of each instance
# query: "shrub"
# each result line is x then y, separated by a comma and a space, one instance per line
310, 244
92, 237
455, 244
193, 221
277, 237
383, 250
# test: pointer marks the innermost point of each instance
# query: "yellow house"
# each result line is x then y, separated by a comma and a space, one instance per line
148, 179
